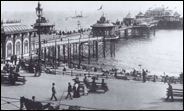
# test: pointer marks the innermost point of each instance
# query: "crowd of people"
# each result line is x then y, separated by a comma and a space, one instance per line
12, 68
74, 91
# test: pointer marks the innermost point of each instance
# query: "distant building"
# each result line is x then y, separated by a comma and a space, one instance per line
15, 38
128, 20
104, 28
163, 14
45, 26
140, 15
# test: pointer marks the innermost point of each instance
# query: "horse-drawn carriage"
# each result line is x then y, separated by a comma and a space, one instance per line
37, 105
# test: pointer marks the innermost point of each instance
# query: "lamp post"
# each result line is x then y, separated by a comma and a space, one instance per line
79, 28
39, 14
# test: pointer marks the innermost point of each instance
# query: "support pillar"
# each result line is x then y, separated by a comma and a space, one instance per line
104, 46
76, 48
49, 54
96, 50
59, 55
89, 54
114, 48
79, 55
73, 52
22, 45
111, 47
82, 52
14, 45
93, 49
70, 55
126, 32
30, 51
45, 56
64, 54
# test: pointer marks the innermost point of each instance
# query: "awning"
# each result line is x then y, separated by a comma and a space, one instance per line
12, 29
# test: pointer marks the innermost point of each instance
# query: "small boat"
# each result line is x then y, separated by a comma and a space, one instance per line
77, 16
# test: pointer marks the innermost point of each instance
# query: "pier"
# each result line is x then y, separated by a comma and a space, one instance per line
75, 48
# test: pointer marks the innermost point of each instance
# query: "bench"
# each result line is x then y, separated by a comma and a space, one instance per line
176, 92
5, 78
99, 86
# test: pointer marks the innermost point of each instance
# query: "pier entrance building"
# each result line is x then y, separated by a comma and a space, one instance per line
15, 38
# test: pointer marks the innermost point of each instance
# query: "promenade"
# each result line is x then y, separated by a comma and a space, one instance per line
123, 95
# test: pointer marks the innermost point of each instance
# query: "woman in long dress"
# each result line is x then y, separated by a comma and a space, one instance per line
74, 91
85, 90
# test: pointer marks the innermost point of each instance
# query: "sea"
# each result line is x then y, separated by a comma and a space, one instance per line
157, 54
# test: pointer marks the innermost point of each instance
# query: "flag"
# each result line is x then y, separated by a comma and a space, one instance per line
100, 8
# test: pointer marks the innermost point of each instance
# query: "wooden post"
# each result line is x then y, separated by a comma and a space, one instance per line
114, 48
111, 47
79, 54
22, 45
45, 56
104, 47
64, 53
96, 50
59, 54
70, 55
76, 47
49, 54
14, 45
93, 49
82, 52
30, 51
89, 56
73, 52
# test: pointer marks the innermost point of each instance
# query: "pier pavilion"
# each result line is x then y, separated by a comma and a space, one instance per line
15, 38
128, 20
45, 26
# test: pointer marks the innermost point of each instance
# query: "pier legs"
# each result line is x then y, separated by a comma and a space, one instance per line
96, 50
79, 54
45, 56
89, 53
104, 46
59, 55
64, 54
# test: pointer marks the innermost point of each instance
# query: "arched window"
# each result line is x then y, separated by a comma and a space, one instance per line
9, 50
25, 47
18, 48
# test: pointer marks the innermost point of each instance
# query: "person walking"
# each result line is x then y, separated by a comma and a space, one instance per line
104, 86
15, 58
69, 91
53, 92
170, 92
11, 59
85, 85
86, 81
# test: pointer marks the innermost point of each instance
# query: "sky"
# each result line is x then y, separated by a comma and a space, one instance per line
88, 5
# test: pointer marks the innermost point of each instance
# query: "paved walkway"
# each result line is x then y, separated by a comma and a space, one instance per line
123, 95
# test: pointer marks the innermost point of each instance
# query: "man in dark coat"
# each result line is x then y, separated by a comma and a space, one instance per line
94, 86
170, 92
69, 91
53, 92
11, 59
15, 58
